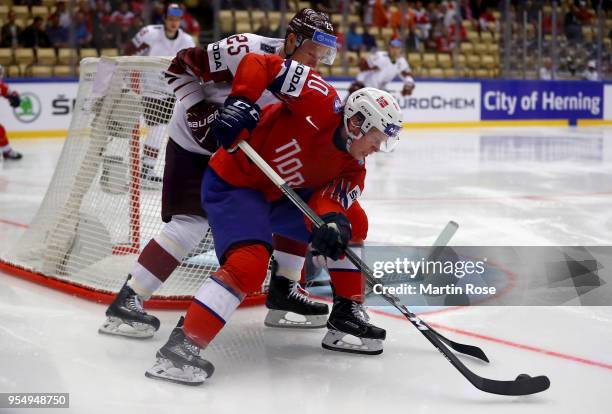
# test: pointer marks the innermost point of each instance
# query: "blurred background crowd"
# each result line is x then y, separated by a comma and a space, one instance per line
567, 39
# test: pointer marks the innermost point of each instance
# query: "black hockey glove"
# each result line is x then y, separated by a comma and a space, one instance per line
333, 237
14, 100
237, 114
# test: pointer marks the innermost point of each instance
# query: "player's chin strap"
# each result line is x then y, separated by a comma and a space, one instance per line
298, 42
522, 385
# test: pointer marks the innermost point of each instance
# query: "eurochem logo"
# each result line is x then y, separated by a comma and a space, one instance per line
30, 108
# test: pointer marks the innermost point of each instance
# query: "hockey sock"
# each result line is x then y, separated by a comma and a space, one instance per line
214, 303
165, 252
347, 281
4, 143
289, 256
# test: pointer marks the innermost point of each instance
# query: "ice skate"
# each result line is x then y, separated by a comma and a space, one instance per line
179, 360
290, 307
12, 155
126, 316
350, 330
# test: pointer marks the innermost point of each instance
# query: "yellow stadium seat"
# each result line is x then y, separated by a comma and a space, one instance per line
494, 50
45, 56
24, 56
6, 56
337, 71
109, 52
63, 71
226, 21
241, 16
67, 56
13, 71
450, 73
488, 62
436, 73
256, 16
472, 36
21, 12
88, 53
41, 11
414, 59
467, 48
4, 9
482, 73
41, 71
243, 27
353, 71
473, 61
481, 48
274, 18
429, 60
444, 61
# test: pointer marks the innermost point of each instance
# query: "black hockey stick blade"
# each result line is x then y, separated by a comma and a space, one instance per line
470, 350
526, 386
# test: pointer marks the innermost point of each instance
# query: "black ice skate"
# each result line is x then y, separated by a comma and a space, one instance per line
126, 316
350, 330
179, 360
12, 155
290, 307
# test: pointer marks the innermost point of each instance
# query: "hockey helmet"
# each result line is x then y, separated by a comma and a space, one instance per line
312, 26
378, 110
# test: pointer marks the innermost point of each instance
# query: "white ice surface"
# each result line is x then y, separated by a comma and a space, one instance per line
501, 191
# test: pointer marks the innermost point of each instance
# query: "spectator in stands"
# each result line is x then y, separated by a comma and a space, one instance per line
82, 37
189, 24
11, 32
354, 40
381, 14
58, 35
545, 72
590, 73
573, 30
102, 37
584, 14
439, 40
369, 42
121, 21
487, 21
34, 35
423, 25
265, 29
62, 13
158, 13
466, 10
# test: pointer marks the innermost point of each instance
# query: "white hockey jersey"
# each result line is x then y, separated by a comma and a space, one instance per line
206, 74
152, 41
384, 70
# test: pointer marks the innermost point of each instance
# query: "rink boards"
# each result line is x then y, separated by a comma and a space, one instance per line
47, 104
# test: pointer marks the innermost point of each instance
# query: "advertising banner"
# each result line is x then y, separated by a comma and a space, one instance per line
44, 106
521, 99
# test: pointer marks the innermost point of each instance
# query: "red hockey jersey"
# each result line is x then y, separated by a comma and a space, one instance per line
295, 137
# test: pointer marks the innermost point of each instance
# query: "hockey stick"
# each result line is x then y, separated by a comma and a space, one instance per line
522, 385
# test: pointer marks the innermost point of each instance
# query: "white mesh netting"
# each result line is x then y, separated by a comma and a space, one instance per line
99, 211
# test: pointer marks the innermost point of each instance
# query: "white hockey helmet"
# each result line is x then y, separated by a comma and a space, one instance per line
380, 110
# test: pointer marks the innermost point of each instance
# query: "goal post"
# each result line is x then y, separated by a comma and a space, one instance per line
98, 214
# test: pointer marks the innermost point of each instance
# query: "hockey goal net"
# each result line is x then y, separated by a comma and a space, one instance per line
98, 213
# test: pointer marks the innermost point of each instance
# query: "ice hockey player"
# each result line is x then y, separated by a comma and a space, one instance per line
6, 151
381, 67
318, 148
158, 40
187, 154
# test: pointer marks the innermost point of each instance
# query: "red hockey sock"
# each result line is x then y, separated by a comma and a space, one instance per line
243, 271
